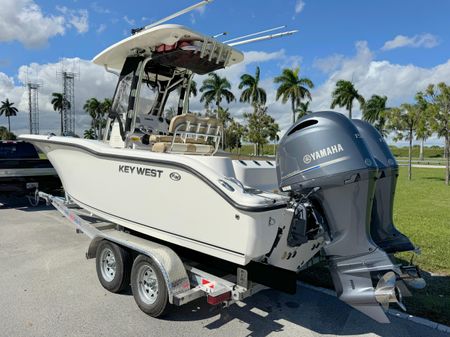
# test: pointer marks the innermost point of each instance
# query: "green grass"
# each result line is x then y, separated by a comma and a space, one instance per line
428, 152
422, 212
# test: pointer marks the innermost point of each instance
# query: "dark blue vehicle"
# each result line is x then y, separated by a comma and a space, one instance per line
22, 171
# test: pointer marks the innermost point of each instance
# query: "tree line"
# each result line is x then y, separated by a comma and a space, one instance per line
428, 114
259, 127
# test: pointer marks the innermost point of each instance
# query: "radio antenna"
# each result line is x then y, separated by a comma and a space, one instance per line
254, 34
262, 38
172, 16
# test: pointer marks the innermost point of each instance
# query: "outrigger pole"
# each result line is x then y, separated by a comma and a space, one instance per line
220, 34
172, 16
262, 38
254, 34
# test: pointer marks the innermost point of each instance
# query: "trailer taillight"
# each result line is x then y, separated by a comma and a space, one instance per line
214, 300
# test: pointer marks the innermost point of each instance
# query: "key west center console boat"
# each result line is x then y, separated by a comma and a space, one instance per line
165, 179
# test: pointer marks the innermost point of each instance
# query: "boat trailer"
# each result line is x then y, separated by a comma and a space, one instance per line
183, 280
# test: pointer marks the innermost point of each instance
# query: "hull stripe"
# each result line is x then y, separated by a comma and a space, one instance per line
187, 168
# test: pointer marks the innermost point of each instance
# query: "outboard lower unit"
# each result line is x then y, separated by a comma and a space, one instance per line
382, 229
323, 158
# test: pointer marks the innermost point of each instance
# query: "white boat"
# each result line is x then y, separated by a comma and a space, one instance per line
166, 180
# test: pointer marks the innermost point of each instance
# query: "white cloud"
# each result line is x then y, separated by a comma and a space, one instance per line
370, 76
77, 18
24, 21
80, 20
328, 64
6, 84
93, 81
252, 59
131, 22
100, 28
398, 82
99, 9
299, 5
292, 61
422, 40
62, 9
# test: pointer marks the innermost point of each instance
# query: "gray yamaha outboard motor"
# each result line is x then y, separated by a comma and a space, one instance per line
382, 229
323, 158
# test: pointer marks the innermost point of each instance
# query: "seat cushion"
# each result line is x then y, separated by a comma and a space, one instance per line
183, 148
168, 139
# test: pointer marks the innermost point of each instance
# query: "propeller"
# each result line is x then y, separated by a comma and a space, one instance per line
387, 292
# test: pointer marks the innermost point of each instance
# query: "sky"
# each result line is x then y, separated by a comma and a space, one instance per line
392, 48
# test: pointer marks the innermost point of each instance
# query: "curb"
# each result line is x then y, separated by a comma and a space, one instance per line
392, 312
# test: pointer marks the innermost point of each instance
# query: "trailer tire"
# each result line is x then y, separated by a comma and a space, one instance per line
149, 287
113, 266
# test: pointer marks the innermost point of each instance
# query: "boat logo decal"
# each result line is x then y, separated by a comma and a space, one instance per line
322, 153
142, 171
175, 176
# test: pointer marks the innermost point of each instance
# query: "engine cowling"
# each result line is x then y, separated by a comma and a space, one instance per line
336, 165
382, 228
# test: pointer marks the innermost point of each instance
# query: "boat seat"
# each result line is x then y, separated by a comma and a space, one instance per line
191, 134
186, 148
168, 139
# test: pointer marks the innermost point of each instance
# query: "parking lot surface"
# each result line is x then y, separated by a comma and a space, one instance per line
48, 288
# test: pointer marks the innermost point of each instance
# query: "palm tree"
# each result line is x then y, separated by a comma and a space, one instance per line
274, 128
170, 113
214, 89
252, 93
8, 110
59, 102
105, 108
6, 135
193, 88
344, 95
303, 109
293, 88
97, 110
373, 112
106, 105
89, 134
224, 116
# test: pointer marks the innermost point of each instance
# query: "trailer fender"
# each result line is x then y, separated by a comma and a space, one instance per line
170, 264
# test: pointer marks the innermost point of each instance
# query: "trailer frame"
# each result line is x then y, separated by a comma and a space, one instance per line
184, 280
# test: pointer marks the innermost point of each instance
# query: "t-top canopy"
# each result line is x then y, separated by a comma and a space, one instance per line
163, 40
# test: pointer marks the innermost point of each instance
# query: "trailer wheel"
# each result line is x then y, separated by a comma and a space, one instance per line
149, 288
113, 266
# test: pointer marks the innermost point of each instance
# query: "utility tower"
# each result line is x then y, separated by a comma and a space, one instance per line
69, 72
68, 107
33, 104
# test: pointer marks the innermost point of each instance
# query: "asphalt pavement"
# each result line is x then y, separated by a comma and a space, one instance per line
48, 288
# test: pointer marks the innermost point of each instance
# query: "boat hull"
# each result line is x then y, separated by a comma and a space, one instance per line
168, 200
